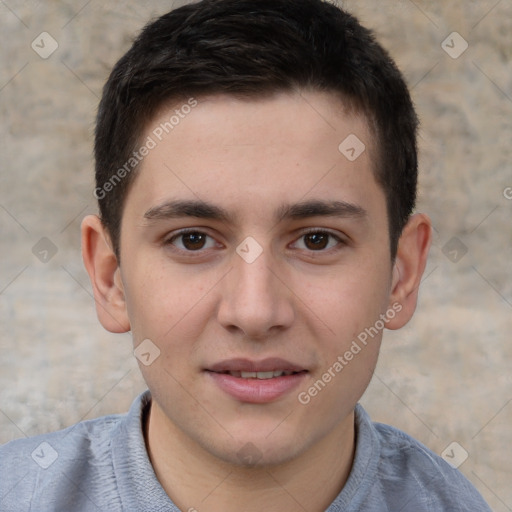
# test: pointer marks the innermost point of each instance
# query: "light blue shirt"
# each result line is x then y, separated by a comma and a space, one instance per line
102, 465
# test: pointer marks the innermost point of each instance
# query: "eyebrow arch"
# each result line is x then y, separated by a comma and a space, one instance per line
319, 208
305, 209
186, 208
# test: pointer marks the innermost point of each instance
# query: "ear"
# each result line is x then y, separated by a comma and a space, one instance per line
104, 273
410, 262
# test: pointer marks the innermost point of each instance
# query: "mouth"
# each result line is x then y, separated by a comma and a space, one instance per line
256, 381
261, 375
247, 368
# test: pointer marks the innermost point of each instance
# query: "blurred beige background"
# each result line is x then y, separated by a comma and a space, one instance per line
446, 377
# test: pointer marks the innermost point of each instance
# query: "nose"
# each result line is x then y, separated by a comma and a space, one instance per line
256, 302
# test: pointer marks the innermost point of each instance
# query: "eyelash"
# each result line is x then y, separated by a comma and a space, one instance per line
169, 241
310, 231
183, 232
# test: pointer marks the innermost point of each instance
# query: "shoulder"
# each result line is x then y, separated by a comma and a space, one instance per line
411, 476
393, 471
63, 470
87, 438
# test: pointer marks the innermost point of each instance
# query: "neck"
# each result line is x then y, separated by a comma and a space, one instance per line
196, 480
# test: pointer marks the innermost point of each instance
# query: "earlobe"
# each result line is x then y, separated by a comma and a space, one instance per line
103, 269
409, 266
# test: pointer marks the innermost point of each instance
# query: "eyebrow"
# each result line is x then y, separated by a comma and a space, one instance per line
184, 208
319, 208
302, 210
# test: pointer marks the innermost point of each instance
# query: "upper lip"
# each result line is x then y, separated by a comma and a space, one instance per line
246, 365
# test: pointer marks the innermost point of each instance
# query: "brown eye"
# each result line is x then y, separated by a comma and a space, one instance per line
191, 241
316, 241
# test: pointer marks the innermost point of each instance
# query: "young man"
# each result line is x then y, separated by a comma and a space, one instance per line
256, 175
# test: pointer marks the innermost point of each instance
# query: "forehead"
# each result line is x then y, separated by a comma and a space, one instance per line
258, 151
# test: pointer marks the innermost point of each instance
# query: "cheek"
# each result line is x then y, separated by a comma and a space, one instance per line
165, 305
352, 304
350, 300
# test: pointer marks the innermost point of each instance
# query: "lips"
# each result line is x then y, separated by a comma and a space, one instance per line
256, 382
260, 375
273, 364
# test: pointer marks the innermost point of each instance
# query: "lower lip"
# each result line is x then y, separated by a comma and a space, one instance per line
257, 391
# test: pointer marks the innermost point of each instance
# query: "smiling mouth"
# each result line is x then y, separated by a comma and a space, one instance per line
266, 369
256, 385
261, 375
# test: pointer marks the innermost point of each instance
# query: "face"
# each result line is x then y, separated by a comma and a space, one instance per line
251, 243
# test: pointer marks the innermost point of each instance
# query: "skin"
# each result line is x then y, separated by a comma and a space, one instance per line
295, 301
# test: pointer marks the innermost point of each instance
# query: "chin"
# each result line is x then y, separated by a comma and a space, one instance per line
253, 452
